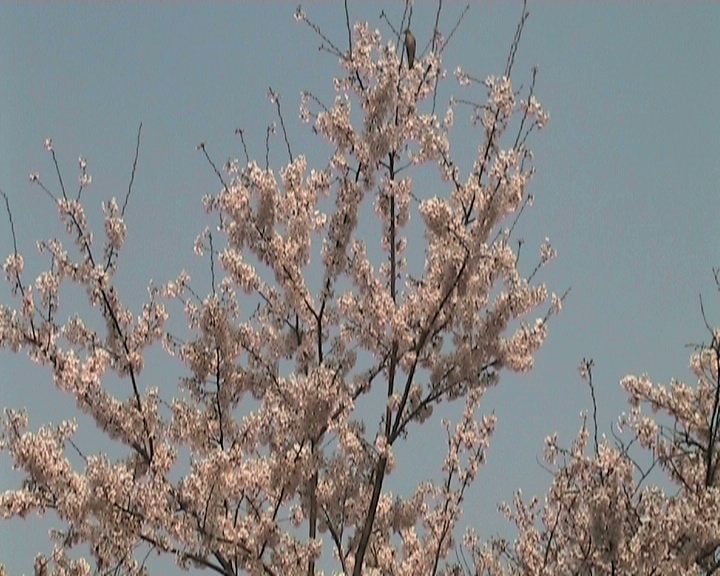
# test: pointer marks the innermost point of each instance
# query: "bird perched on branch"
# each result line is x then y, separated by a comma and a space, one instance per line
410, 47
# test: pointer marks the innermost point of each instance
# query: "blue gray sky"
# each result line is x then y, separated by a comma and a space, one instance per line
627, 185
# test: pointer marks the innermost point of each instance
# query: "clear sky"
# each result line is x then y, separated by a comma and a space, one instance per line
627, 185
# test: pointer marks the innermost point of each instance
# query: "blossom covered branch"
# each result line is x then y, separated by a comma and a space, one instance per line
283, 475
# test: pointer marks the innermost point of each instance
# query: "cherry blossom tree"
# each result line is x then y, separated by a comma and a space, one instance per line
284, 477
604, 514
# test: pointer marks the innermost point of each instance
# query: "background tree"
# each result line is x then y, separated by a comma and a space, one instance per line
281, 467
603, 514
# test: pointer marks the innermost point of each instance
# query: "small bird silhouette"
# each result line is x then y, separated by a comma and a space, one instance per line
410, 47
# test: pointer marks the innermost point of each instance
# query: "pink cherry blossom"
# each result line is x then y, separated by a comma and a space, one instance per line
261, 460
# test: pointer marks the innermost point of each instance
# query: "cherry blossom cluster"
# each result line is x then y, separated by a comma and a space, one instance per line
260, 462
